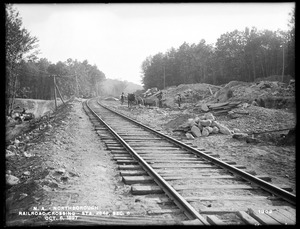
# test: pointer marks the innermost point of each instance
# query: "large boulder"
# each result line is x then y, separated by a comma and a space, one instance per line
189, 136
200, 126
240, 136
185, 125
222, 128
210, 129
205, 132
11, 180
191, 122
209, 116
204, 107
214, 123
205, 122
196, 131
202, 117
215, 130
196, 120
236, 130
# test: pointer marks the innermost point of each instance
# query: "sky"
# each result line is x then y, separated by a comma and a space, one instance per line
119, 37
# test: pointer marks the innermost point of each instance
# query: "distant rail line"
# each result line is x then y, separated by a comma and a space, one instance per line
208, 190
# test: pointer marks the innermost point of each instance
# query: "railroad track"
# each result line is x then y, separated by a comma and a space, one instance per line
205, 188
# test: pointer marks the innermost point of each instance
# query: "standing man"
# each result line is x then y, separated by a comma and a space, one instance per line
122, 98
159, 96
178, 99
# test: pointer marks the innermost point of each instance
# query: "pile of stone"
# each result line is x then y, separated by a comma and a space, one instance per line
150, 92
203, 126
218, 108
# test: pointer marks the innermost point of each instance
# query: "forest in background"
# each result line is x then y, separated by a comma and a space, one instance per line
237, 55
33, 78
72, 76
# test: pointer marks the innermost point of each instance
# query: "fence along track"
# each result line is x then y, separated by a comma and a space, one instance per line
185, 158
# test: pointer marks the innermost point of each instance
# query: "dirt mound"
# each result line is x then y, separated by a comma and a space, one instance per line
274, 94
190, 93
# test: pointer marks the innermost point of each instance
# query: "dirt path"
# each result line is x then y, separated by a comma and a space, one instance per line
91, 172
69, 169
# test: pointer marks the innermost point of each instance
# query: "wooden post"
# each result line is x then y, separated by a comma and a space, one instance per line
77, 89
164, 77
59, 93
54, 92
282, 61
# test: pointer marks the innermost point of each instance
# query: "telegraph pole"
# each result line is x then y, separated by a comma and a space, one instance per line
282, 61
59, 94
54, 92
77, 89
164, 76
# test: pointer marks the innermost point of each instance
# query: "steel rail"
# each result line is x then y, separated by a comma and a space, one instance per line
289, 197
188, 210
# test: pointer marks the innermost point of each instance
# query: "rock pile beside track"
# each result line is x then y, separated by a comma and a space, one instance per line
202, 126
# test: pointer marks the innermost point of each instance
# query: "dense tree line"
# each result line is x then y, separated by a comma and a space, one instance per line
30, 77
237, 55
20, 46
35, 79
